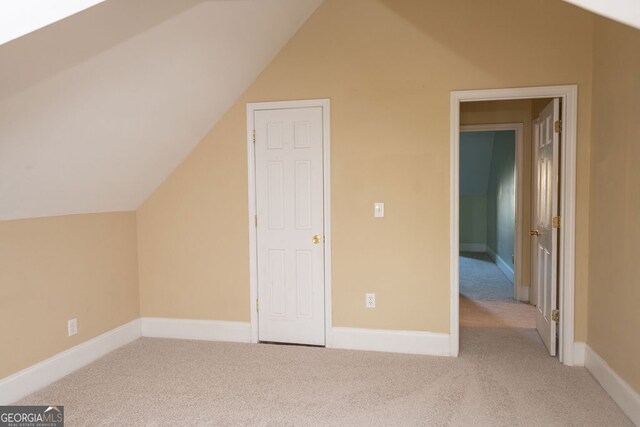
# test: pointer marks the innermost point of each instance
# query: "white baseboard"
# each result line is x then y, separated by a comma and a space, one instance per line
579, 349
344, 338
414, 342
522, 293
25, 382
622, 393
473, 247
505, 268
204, 330
491, 254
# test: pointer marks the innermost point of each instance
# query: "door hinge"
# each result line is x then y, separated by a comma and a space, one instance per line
555, 315
256, 220
558, 126
257, 305
254, 136
556, 222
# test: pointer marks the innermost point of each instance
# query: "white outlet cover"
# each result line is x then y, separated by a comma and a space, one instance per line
370, 300
72, 327
378, 210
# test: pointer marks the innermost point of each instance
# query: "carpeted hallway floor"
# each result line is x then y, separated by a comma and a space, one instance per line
502, 378
481, 279
486, 296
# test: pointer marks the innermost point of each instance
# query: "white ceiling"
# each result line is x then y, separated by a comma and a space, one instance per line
20, 17
625, 11
97, 109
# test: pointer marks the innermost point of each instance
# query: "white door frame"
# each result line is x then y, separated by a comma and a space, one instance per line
519, 292
566, 275
253, 254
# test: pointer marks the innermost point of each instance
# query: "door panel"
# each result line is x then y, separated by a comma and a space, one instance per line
546, 208
535, 214
290, 209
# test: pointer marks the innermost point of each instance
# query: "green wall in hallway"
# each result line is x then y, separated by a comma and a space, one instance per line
501, 196
473, 219
487, 191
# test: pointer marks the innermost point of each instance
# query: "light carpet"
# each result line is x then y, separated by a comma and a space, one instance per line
496, 314
502, 378
486, 296
481, 279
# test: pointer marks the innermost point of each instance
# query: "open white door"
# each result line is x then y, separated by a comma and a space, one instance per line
546, 222
290, 225
535, 130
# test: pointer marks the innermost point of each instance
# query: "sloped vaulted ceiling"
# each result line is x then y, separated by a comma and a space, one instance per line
20, 17
476, 149
625, 11
97, 109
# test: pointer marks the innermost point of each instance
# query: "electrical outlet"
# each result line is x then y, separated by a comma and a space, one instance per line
370, 300
72, 327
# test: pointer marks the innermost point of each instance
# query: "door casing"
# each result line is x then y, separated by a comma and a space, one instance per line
326, 157
566, 274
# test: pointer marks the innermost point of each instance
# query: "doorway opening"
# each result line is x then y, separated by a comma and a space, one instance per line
543, 270
492, 291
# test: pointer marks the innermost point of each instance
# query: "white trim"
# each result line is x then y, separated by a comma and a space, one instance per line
569, 96
620, 391
473, 247
33, 378
515, 272
492, 255
253, 262
567, 231
522, 293
506, 269
501, 264
412, 342
454, 227
192, 329
579, 349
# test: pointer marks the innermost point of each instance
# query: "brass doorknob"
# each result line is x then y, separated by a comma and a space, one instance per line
534, 233
316, 239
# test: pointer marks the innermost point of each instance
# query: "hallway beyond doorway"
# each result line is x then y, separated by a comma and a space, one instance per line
486, 296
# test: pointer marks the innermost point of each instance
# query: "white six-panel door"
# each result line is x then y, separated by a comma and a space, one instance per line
545, 235
290, 225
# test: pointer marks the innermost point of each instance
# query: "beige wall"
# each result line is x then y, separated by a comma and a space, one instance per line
614, 270
57, 268
388, 67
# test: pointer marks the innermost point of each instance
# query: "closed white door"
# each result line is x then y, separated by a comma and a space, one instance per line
546, 221
290, 225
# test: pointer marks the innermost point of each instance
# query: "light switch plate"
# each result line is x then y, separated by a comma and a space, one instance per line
378, 210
